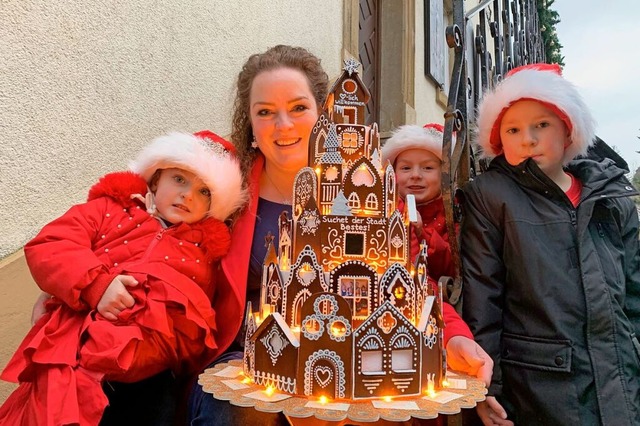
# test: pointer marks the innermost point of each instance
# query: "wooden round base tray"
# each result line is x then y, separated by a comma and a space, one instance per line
359, 410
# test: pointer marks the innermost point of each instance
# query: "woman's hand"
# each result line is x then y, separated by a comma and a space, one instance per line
116, 297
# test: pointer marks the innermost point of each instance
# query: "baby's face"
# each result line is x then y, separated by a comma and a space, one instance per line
181, 196
418, 172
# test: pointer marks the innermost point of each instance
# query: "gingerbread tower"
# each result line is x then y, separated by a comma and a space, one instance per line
344, 312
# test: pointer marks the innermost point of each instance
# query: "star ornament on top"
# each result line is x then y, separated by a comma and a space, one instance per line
351, 66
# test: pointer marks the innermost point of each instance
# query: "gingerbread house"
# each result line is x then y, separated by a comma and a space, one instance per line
344, 312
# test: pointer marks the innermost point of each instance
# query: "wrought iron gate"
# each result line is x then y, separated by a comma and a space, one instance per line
514, 28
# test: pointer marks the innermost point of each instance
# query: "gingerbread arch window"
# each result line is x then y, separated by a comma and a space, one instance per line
354, 201
371, 202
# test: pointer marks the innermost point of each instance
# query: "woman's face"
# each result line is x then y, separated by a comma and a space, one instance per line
283, 111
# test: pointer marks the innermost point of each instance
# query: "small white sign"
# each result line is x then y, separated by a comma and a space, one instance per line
456, 383
235, 384
338, 406
442, 397
260, 395
411, 208
395, 405
231, 372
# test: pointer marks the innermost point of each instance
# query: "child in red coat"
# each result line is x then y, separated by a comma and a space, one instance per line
416, 155
130, 274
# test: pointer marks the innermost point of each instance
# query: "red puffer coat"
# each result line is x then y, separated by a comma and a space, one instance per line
69, 352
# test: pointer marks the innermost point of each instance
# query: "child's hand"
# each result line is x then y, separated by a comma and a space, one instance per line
417, 226
492, 414
116, 298
38, 309
465, 355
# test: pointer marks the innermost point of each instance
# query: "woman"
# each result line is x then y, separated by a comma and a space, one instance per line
278, 100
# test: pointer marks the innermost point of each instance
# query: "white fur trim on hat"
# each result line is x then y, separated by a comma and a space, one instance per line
544, 85
217, 168
411, 136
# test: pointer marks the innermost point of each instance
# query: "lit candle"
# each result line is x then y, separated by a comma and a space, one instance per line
430, 390
296, 331
257, 317
323, 400
270, 390
266, 310
386, 398
284, 262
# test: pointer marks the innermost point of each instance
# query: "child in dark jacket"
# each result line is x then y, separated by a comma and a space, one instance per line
130, 274
551, 259
415, 153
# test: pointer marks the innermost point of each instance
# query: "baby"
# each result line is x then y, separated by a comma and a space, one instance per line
130, 274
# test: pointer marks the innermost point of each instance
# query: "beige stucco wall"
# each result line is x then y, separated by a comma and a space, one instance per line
430, 100
84, 84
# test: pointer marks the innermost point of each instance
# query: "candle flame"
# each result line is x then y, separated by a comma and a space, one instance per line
270, 390
257, 318
323, 400
284, 262
386, 398
445, 383
430, 390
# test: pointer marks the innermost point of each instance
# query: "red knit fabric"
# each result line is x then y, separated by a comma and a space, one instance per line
574, 191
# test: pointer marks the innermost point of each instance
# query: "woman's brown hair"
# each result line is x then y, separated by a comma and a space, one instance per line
281, 56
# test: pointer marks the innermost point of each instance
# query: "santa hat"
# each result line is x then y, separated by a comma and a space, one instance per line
542, 83
411, 136
205, 154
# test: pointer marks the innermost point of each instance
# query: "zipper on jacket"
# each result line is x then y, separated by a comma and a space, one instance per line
152, 245
572, 215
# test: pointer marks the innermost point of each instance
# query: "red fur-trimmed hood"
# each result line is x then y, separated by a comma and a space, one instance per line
121, 186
